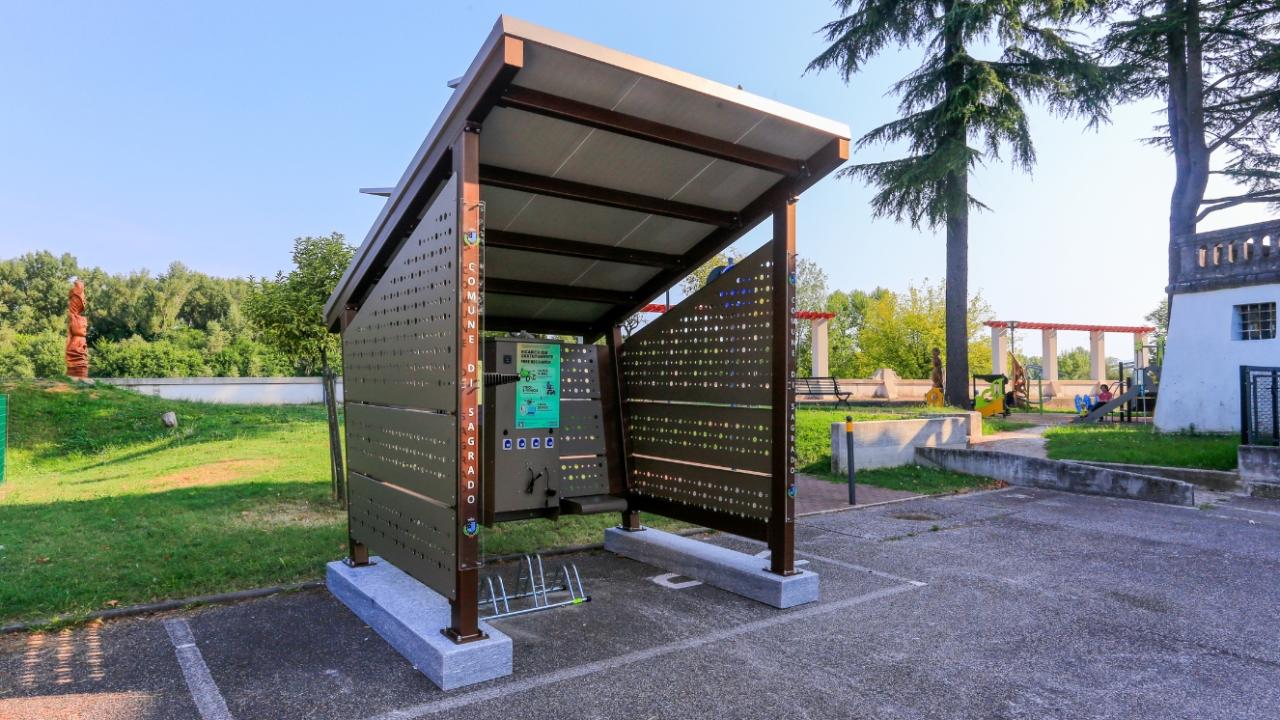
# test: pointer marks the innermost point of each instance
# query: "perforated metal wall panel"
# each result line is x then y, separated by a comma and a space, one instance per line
581, 427
713, 347
401, 397
401, 348
696, 384
579, 374
409, 448
414, 534
584, 476
722, 491
736, 438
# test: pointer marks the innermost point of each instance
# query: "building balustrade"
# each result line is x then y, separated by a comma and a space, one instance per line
1234, 257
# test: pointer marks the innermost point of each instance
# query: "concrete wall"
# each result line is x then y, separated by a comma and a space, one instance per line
894, 388
248, 391
1260, 465
891, 443
1200, 384
1058, 475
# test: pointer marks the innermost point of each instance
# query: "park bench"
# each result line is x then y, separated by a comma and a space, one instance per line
822, 387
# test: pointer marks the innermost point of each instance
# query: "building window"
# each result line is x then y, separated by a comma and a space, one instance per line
1256, 321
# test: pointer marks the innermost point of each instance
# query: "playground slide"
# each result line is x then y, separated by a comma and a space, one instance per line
1101, 411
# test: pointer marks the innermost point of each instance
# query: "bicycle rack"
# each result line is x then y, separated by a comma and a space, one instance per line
531, 588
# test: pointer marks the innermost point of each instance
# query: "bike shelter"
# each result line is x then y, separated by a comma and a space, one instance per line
563, 188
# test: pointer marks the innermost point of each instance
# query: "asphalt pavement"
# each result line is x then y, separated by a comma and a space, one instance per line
1015, 603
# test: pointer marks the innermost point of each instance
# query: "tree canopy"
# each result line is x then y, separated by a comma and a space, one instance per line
1216, 66
288, 309
176, 324
954, 97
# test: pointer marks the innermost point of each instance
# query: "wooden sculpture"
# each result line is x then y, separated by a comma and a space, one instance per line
77, 332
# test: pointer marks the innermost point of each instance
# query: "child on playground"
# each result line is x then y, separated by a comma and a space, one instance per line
1104, 396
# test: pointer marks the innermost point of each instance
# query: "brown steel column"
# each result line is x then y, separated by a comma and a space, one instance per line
618, 424
357, 553
464, 615
782, 514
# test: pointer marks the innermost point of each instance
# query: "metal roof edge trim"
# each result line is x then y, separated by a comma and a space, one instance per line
541, 35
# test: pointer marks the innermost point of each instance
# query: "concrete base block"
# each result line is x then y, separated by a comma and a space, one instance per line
410, 616
739, 573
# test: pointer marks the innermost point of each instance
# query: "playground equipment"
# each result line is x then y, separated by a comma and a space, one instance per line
1134, 399
934, 398
568, 228
991, 400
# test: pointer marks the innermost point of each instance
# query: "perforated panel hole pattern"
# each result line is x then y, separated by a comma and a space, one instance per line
581, 425
714, 347
399, 350
402, 536
708, 490
421, 461
585, 476
730, 437
579, 377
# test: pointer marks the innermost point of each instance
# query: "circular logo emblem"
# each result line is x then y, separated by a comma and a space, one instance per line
471, 528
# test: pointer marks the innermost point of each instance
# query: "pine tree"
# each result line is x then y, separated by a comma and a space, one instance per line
1216, 65
954, 97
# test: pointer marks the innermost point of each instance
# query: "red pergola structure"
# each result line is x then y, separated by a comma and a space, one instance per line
1000, 330
563, 188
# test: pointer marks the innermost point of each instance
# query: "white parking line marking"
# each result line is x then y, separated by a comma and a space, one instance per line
769, 553
869, 571
204, 691
843, 564
666, 581
518, 686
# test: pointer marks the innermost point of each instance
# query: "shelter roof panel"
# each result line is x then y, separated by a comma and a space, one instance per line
572, 272
573, 152
523, 212
586, 144
500, 305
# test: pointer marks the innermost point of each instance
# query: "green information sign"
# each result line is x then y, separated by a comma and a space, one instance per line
538, 389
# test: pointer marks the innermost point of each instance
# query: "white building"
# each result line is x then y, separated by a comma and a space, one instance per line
1224, 290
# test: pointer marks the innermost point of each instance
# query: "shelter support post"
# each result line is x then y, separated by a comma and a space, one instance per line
616, 432
464, 610
781, 530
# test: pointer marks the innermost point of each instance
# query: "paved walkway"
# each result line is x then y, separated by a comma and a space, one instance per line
815, 495
1029, 441
1019, 603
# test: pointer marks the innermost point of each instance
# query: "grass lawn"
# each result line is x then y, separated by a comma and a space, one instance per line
813, 432
1142, 445
813, 451
103, 506
912, 478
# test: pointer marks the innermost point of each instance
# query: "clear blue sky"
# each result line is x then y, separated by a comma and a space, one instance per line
135, 134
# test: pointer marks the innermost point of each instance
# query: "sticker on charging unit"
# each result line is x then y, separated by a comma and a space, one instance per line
537, 386
521, 444
535, 443
506, 443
